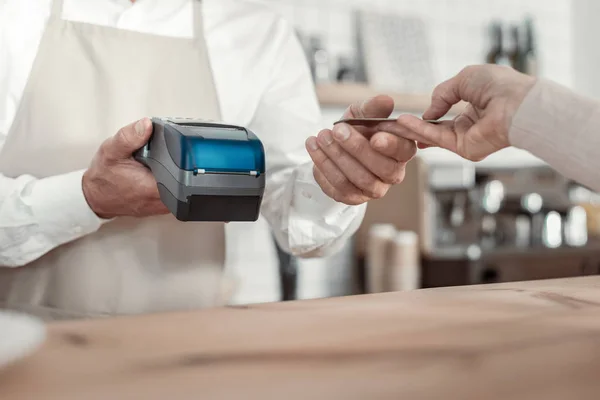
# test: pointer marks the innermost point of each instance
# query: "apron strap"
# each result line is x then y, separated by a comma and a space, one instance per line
198, 19
57, 6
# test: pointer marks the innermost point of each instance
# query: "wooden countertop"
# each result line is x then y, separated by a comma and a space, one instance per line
535, 340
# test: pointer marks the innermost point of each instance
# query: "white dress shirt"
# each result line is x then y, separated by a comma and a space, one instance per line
262, 82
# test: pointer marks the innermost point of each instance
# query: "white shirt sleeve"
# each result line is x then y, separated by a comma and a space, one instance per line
305, 221
38, 215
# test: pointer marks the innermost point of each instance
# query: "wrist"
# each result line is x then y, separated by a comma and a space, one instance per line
91, 195
519, 92
60, 208
515, 98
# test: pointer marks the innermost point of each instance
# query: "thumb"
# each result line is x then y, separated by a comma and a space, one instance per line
129, 139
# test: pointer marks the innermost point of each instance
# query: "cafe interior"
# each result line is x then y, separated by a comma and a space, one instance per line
468, 280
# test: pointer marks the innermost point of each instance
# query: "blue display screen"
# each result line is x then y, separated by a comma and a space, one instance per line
221, 150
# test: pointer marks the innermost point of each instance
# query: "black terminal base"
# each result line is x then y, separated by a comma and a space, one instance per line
209, 208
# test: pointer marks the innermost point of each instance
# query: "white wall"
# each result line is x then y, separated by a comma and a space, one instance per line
586, 47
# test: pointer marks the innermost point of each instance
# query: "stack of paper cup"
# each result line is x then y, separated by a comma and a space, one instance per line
392, 260
405, 265
379, 241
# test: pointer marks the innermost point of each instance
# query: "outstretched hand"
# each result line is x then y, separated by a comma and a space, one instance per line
493, 93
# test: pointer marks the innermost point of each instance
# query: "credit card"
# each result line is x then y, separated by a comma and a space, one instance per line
369, 122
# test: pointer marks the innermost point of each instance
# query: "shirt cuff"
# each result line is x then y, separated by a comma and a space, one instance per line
551, 123
317, 223
59, 205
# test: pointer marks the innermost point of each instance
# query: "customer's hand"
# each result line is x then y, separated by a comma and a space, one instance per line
115, 184
354, 165
494, 94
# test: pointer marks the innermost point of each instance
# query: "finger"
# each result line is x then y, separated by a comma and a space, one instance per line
388, 169
128, 139
440, 135
395, 147
423, 146
360, 149
353, 169
352, 199
402, 131
377, 107
150, 207
331, 171
159, 208
325, 185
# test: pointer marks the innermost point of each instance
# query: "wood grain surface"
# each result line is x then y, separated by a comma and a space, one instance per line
530, 340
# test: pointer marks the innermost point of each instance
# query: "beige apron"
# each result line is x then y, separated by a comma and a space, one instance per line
86, 83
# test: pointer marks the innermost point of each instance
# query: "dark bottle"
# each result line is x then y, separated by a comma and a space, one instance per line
530, 59
516, 49
500, 45
506, 47
495, 43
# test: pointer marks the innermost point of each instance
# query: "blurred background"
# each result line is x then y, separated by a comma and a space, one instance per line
452, 222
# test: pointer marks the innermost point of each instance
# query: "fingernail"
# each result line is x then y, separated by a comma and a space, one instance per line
326, 138
341, 132
364, 103
380, 142
312, 143
140, 127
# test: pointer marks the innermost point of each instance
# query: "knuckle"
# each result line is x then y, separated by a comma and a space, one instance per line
104, 150
469, 69
357, 146
353, 199
389, 172
337, 152
438, 93
504, 68
150, 189
124, 139
372, 188
400, 174
407, 149
367, 183
380, 191
338, 197
472, 156
338, 181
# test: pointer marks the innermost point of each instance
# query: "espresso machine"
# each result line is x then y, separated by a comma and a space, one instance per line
502, 225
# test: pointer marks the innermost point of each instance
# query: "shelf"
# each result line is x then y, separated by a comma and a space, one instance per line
342, 95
